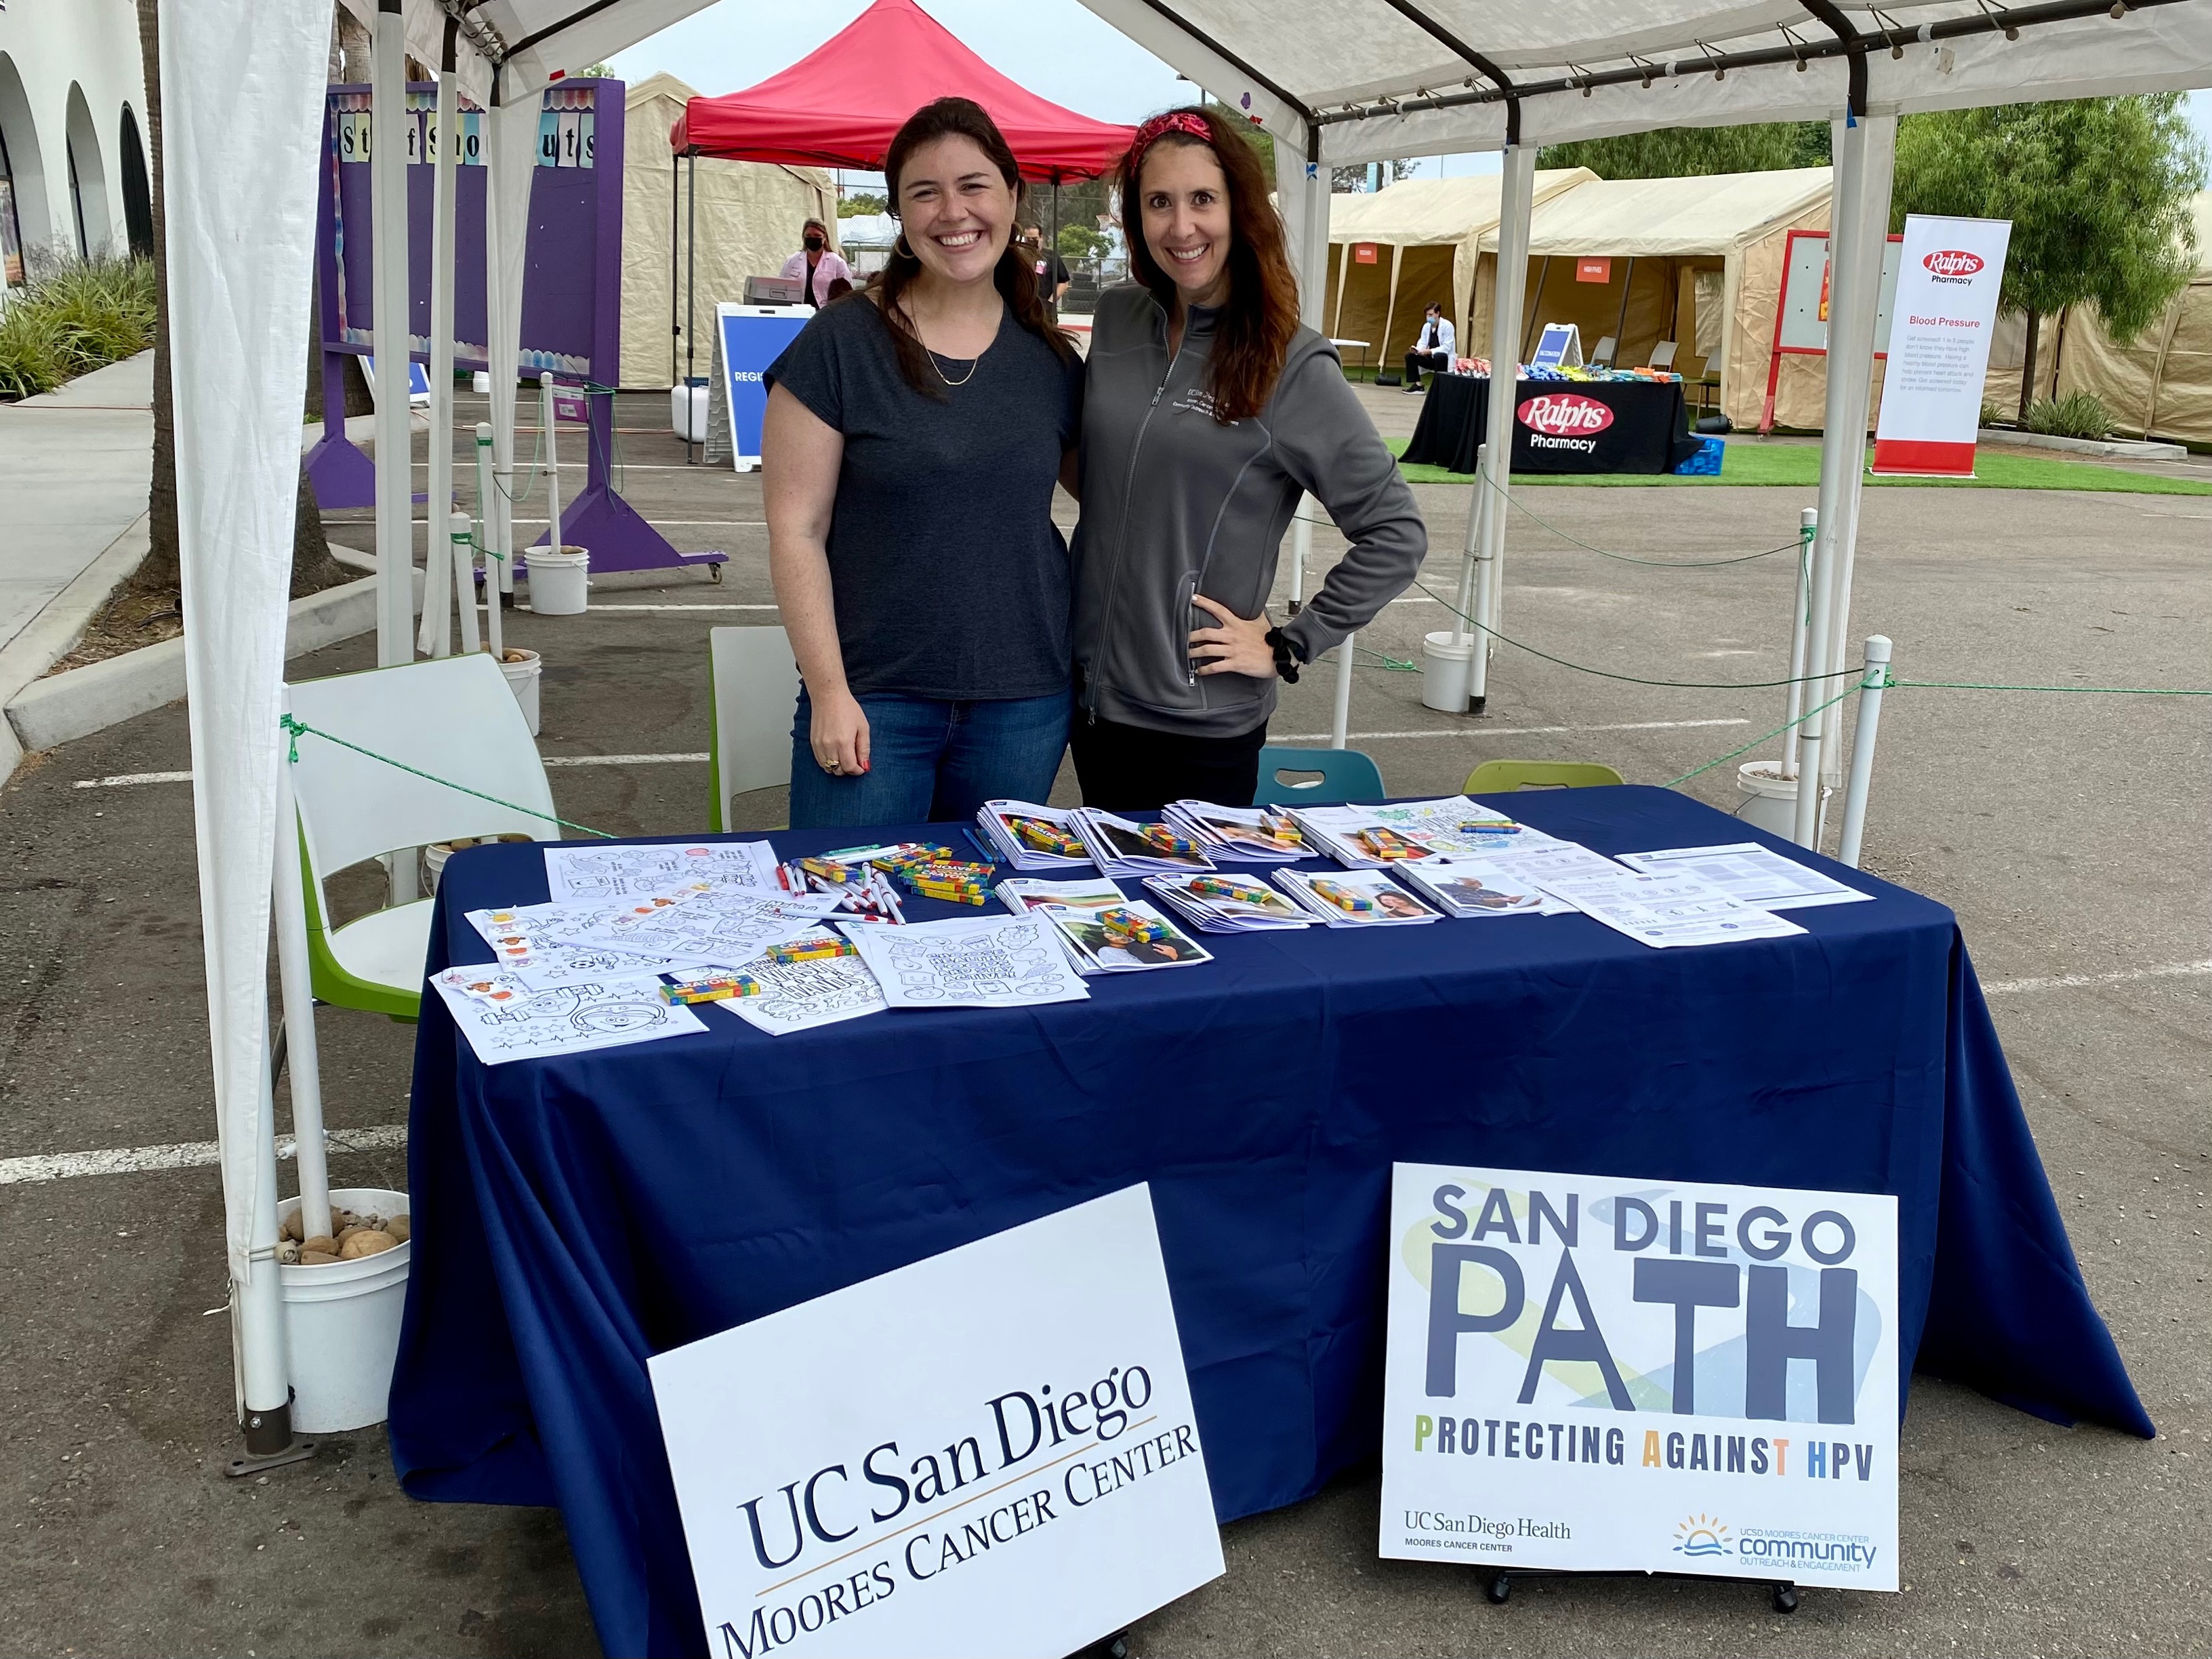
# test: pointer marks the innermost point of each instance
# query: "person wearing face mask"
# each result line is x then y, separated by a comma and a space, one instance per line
1433, 348
1208, 410
913, 434
817, 266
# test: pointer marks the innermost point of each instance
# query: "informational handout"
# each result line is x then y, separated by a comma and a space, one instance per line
798, 996
567, 1019
1468, 888
1756, 875
1372, 837
1354, 898
583, 870
1666, 911
986, 962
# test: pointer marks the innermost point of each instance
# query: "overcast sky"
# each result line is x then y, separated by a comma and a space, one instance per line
1056, 48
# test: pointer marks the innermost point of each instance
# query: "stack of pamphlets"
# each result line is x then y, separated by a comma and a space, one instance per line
1032, 837
1750, 873
1352, 898
1374, 837
1473, 887
1667, 910
1242, 834
1119, 938
1122, 849
1222, 902
1023, 894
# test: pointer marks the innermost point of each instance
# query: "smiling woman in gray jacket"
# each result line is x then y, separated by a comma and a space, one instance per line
1208, 410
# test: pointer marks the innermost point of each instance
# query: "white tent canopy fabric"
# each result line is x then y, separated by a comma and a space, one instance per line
1668, 218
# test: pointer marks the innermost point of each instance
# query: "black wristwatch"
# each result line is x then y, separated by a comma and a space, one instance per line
1287, 655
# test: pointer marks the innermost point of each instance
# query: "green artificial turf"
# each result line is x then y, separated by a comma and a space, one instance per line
1799, 467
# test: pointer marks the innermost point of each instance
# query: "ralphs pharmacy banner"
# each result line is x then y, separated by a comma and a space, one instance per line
990, 1451
1949, 272
1600, 1374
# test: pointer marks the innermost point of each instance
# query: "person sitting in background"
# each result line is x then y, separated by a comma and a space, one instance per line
818, 267
1433, 350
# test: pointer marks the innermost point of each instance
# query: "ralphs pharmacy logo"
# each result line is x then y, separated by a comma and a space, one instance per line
1563, 420
1703, 1535
1952, 264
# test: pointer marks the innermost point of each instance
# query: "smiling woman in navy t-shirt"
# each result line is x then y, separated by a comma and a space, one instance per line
913, 435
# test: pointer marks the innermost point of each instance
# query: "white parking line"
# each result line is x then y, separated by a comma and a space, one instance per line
1499, 731
126, 780
2078, 981
596, 605
699, 759
185, 1155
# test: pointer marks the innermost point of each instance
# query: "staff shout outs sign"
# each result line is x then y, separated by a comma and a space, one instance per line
1591, 1373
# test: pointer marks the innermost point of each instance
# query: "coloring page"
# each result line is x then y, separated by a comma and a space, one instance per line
532, 950
582, 870
798, 996
706, 929
1006, 962
570, 1019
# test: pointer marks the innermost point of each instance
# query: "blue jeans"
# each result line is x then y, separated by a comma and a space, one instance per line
931, 760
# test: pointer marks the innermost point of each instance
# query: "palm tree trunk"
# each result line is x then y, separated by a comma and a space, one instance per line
2027, 368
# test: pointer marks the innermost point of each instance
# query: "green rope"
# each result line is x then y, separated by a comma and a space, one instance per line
1393, 665
299, 728
1632, 680
1628, 558
1677, 782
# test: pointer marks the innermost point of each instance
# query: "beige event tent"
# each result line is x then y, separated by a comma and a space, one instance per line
1698, 261
1394, 251
749, 216
2159, 387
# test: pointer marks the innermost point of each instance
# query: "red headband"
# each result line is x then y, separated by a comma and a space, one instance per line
1175, 121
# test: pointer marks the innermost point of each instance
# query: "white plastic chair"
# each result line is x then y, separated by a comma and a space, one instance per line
753, 687
453, 718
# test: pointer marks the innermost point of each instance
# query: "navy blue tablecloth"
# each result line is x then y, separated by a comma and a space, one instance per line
573, 1216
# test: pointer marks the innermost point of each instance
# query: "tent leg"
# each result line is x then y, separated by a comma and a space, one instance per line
1516, 187
257, 1310
675, 240
1543, 274
1620, 323
290, 907
691, 285
437, 632
1340, 719
395, 474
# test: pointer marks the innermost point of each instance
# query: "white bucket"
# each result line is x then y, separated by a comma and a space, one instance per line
1771, 802
560, 583
480, 383
522, 680
1447, 669
687, 412
342, 1323
435, 854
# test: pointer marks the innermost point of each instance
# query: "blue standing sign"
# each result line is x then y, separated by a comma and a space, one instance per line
752, 338
1561, 346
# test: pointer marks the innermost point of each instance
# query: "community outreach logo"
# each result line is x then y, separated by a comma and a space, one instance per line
1702, 1536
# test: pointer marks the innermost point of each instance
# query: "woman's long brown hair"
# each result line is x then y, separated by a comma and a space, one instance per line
1013, 277
1253, 338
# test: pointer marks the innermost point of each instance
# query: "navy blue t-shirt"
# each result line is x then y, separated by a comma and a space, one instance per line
950, 577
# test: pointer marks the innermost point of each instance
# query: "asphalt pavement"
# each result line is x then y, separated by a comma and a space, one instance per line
2068, 832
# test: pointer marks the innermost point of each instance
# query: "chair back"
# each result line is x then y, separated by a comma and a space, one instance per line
1608, 348
453, 718
754, 687
1344, 775
1663, 355
1503, 777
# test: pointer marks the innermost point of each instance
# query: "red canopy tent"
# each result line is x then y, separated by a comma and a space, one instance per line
839, 105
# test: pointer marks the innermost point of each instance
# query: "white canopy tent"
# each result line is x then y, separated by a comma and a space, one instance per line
1335, 80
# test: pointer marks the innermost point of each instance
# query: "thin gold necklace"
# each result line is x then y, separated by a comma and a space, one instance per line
974, 363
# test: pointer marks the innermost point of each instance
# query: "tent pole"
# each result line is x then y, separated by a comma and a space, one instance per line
395, 472
675, 243
690, 280
437, 634
1390, 308
1516, 193
1620, 323
1543, 273
1343, 275
1866, 153
303, 1055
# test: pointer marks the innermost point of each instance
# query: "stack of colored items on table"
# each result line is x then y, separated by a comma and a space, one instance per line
1032, 837
1477, 367
853, 876
1590, 372
936, 873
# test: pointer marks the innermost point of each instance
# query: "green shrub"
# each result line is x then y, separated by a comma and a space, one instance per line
1990, 414
2078, 415
74, 317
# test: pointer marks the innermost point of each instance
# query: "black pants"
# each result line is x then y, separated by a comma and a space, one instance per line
1132, 768
1437, 363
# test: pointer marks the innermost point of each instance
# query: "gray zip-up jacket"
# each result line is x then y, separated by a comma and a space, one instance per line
1175, 503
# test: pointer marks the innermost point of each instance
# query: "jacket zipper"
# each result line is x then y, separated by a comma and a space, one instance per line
1122, 543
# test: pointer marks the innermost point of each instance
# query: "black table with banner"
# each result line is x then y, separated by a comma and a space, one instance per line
575, 1215
1560, 426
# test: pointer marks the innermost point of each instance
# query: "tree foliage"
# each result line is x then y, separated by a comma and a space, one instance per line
2098, 191
1686, 152
860, 202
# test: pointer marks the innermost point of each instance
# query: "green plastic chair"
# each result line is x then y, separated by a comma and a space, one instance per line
1503, 777
752, 687
1346, 774
451, 718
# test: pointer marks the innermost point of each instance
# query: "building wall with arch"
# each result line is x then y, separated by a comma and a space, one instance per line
68, 72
